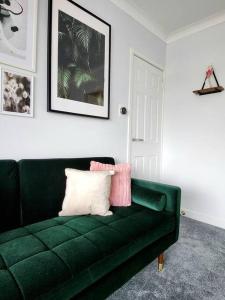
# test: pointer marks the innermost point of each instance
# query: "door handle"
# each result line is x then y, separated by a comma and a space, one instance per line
137, 140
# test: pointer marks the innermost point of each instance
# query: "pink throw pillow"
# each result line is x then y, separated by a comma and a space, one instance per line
121, 182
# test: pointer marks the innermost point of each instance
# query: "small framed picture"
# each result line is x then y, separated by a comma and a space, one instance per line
18, 30
16, 93
79, 61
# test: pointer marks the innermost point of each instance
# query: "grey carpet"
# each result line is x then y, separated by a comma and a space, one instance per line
194, 268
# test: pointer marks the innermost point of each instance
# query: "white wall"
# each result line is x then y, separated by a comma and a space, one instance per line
58, 135
194, 127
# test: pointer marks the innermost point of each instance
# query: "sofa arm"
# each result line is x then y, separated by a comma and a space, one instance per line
172, 193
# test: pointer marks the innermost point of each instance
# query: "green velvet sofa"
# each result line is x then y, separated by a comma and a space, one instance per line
43, 256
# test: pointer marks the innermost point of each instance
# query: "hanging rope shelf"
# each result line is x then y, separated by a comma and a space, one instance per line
211, 90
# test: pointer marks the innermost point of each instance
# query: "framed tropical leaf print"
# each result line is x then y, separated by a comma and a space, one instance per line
79, 61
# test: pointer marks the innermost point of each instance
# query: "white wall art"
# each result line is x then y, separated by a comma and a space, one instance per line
18, 26
16, 93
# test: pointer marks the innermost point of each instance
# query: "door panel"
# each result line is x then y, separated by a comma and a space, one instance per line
146, 110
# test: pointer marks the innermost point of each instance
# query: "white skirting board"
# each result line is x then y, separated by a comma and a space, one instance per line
204, 218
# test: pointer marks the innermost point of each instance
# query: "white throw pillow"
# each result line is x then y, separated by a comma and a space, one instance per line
87, 192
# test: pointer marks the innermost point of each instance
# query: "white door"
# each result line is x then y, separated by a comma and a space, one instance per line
146, 119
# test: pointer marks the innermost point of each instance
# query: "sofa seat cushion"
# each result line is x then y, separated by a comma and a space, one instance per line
43, 184
60, 257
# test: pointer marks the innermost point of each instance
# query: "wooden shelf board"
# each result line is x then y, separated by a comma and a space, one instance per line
217, 89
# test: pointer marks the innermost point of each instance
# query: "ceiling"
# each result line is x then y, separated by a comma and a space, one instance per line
168, 18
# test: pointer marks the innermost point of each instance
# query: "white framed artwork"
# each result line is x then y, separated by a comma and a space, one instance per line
18, 30
16, 93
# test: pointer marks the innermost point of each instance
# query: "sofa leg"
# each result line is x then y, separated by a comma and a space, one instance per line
160, 262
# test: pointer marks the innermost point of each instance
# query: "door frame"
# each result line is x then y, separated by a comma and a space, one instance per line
134, 53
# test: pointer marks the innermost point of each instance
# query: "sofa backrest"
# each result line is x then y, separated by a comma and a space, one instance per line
9, 195
42, 185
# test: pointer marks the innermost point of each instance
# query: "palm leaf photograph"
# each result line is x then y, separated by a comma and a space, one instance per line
81, 62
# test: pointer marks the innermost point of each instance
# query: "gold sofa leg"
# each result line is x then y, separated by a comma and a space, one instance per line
160, 262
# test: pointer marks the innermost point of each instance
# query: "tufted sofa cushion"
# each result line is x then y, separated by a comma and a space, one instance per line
72, 253
9, 200
43, 183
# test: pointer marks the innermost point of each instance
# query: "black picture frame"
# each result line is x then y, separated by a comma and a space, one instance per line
96, 102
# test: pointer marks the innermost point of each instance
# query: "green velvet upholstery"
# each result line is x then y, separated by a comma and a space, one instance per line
120, 275
81, 257
9, 191
173, 196
60, 257
148, 198
42, 185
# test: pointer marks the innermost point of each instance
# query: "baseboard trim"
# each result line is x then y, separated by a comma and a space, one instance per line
218, 222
